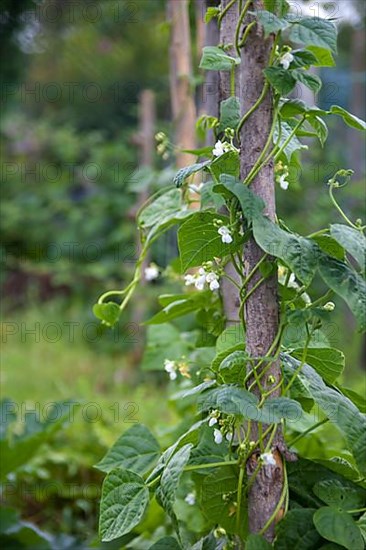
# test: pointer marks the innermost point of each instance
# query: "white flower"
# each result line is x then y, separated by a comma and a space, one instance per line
151, 272
228, 436
213, 280
219, 149
189, 279
225, 234
170, 368
268, 459
286, 60
329, 306
212, 421
217, 436
200, 279
190, 499
282, 180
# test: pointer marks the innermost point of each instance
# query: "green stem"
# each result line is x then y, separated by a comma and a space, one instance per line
324, 298
225, 10
238, 26
246, 33
303, 434
298, 370
318, 233
211, 465
253, 108
340, 209
358, 511
279, 504
232, 80
239, 496
288, 140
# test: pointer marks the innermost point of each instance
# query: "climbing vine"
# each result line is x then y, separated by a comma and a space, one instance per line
323, 498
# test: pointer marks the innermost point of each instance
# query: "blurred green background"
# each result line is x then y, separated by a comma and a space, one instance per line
72, 74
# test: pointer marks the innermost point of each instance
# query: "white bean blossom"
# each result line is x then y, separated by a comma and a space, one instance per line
282, 180
171, 368
268, 459
225, 234
219, 149
217, 436
201, 278
151, 272
286, 60
213, 281
190, 499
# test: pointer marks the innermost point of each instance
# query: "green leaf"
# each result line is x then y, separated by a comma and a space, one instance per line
124, 501
211, 13
277, 408
166, 543
229, 113
108, 312
233, 367
311, 81
197, 389
270, 22
338, 527
218, 495
170, 479
303, 58
228, 163
329, 246
352, 120
328, 362
293, 146
215, 59
230, 400
161, 345
199, 240
313, 31
188, 171
338, 408
181, 305
231, 339
300, 254
292, 107
342, 495
323, 56
256, 542
357, 399
250, 204
352, 240
345, 282
167, 204
136, 450
297, 530
280, 79
321, 129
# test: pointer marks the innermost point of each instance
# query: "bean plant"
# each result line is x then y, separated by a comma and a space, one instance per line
239, 461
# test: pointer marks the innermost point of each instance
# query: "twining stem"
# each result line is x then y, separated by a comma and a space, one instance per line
298, 370
225, 10
238, 27
254, 107
331, 187
279, 504
303, 434
239, 496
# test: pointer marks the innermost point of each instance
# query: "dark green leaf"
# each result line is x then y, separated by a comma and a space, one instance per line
170, 478
345, 282
184, 173
280, 79
250, 204
270, 22
351, 120
179, 306
136, 450
303, 58
166, 543
352, 240
293, 146
313, 31
124, 501
338, 408
229, 113
199, 240
233, 367
277, 408
312, 81
215, 59
297, 531
300, 254
328, 362
330, 246
338, 527
343, 495
321, 129
161, 345
256, 542
228, 163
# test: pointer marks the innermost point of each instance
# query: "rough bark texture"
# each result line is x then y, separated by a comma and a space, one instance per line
230, 296
261, 309
183, 106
